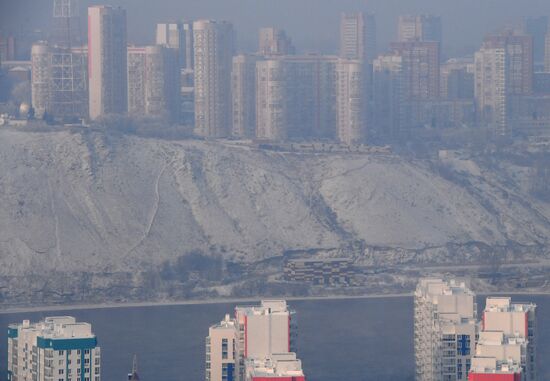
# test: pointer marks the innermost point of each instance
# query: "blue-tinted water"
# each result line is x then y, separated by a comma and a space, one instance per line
355, 340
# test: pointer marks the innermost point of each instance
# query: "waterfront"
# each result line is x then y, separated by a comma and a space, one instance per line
351, 339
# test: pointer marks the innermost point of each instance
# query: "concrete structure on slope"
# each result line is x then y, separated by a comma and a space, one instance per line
213, 46
445, 330
278, 366
57, 348
107, 61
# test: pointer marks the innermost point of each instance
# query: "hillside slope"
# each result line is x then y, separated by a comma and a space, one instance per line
86, 210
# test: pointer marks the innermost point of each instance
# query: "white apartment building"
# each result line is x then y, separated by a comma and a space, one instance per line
278, 366
497, 353
107, 61
490, 88
445, 329
350, 100
213, 47
256, 332
221, 352
517, 323
56, 349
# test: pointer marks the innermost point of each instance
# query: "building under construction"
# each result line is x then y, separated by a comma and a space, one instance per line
59, 67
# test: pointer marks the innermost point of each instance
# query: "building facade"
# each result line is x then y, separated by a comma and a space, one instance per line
388, 97
296, 97
274, 41
107, 61
221, 354
243, 93
59, 83
256, 333
358, 36
350, 101
419, 28
517, 323
445, 329
153, 82
213, 51
58, 348
491, 88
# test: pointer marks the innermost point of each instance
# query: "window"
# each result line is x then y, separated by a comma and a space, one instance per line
61, 371
224, 349
60, 353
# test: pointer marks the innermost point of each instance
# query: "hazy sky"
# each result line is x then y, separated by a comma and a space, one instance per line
313, 24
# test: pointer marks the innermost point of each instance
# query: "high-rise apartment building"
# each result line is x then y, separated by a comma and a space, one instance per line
263, 333
153, 81
107, 61
491, 88
421, 70
295, 97
519, 57
265, 329
66, 24
419, 28
537, 28
221, 354
58, 348
388, 96
517, 323
350, 100
445, 330
503, 76
358, 36
499, 355
213, 47
274, 41
278, 366
457, 79
243, 92
178, 36
271, 112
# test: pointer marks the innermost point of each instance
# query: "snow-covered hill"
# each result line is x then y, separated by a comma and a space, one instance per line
87, 209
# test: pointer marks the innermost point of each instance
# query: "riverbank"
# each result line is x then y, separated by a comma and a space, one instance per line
75, 307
